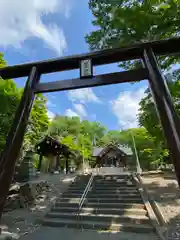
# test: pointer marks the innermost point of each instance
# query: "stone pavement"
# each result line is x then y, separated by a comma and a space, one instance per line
46, 233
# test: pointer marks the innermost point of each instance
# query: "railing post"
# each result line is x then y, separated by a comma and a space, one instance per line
164, 105
16, 135
83, 197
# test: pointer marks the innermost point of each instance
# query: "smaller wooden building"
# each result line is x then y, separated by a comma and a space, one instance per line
52, 148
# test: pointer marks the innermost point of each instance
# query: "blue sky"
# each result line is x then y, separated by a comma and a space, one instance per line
41, 30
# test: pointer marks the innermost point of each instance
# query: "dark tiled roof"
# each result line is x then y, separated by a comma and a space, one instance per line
121, 148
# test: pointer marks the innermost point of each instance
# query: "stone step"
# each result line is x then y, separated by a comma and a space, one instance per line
80, 190
125, 227
115, 191
77, 186
108, 205
71, 195
113, 181
116, 211
109, 185
113, 200
103, 200
66, 204
113, 184
135, 219
116, 195
75, 189
114, 177
100, 195
112, 188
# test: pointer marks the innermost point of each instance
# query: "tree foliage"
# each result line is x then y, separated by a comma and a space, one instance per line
148, 116
81, 139
38, 123
78, 135
10, 97
126, 22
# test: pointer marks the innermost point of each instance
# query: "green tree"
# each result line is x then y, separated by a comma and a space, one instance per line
61, 126
112, 136
126, 22
78, 135
149, 152
149, 119
38, 123
94, 130
10, 97
2, 61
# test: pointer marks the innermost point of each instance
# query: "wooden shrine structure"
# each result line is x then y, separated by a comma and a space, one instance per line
51, 148
112, 155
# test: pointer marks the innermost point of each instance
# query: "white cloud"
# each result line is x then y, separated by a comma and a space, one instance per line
126, 106
83, 95
80, 110
51, 115
70, 113
21, 20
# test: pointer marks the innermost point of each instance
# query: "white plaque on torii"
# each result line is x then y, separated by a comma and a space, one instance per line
86, 69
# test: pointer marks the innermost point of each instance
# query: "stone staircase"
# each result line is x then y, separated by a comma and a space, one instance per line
112, 204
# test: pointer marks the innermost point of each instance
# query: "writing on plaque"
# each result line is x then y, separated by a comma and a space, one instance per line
86, 68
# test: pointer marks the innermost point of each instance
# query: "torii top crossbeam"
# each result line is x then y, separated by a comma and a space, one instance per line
162, 47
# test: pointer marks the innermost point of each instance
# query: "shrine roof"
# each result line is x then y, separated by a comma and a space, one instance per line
120, 149
52, 146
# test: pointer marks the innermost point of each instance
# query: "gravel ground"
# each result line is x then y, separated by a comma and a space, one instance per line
21, 222
164, 189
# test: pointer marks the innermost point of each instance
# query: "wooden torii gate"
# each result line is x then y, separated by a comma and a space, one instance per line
147, 52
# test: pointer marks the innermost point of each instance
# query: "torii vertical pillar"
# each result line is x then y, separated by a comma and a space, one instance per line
164, 105
16, 135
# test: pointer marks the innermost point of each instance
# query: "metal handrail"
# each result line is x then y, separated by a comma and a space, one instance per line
81, 201
83, 197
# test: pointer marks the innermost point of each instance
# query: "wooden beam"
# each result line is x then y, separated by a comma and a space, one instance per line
100, 80
162, 47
